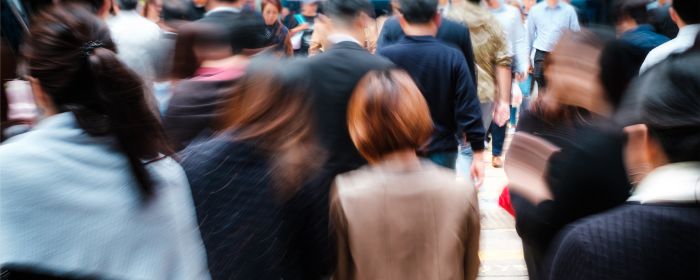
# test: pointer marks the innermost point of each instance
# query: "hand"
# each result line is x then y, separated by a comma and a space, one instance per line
477, 169
519, 77
517, 96
501, 113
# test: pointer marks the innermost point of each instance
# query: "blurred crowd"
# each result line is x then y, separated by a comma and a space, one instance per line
346, 139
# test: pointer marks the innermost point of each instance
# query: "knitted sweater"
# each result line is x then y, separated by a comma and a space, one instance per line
633, 241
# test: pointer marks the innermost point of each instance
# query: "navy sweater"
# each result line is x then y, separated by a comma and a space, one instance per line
442, 75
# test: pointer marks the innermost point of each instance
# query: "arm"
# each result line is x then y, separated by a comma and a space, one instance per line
531, 32
503, 74
520, 47
468, 52
573, 21
468, 119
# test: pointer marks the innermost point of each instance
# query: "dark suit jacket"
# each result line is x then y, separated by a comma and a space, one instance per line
452, 33
336, 74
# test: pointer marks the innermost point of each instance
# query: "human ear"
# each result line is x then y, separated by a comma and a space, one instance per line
636, 153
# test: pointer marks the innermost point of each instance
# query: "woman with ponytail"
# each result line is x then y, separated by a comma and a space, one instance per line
92, 191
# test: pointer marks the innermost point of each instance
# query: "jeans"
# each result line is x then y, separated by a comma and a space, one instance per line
444, 159
499, 137
464, 162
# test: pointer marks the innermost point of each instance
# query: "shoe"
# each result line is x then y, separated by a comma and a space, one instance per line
497, 162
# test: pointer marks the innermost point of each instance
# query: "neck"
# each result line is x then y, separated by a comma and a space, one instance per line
420, 30
359, 35
218, 4
552, 3
494, 4
626, 25
402, 160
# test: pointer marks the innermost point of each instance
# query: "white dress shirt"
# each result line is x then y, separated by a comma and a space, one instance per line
546, 24
675, 183
682, 42
135, 37
509, 17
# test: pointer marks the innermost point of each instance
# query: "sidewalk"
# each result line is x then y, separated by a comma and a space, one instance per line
501, 250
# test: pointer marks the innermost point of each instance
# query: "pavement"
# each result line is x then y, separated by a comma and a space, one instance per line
501, 250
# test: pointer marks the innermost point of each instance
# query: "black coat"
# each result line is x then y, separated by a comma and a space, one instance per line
336, 72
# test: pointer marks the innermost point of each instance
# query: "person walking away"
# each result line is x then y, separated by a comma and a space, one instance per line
685, 14
443, 77
400, 217
633, 27
137, 39
91, 191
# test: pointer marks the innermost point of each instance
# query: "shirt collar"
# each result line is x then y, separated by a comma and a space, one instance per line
223, 9
342, 37
557, 6
676, 183
689, 31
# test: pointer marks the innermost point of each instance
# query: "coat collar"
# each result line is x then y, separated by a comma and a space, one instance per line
675, 183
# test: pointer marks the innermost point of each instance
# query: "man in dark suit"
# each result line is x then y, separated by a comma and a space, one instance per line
450, 32
337, 72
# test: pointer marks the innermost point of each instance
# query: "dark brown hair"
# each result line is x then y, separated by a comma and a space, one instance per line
387, 113
271, 108
71, 53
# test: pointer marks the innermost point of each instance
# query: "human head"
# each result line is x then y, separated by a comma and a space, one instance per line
271, 11
627, 14
349, 13
661, 115
309, 8
271, 108
685, 12
418, 11
72, 66
248, 34
101, 8
387, 113
128, 5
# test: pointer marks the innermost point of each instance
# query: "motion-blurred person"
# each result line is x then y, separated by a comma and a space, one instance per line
443, 77
586, 174
271, 12
661, 19
152, 10
656, 231
301, 27
258, 211
494, 76
510, 19
91, 191
193, 110
449, 32
136, 38
400, 217
633, 27
320, 43
685, 14
336, 73
546, 22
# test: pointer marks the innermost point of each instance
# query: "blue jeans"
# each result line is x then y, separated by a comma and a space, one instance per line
444, 159
464, 162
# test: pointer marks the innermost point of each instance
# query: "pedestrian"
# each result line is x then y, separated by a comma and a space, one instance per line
194, 108
661, 19
633, 27
685, 14
656, 231
137, 39
258, 210
91, 191
493, 63
443, 77
301, 27
271, 12
336, 73
400, 217
546, 22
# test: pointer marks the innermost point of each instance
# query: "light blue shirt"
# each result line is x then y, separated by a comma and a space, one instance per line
546, 24
509, 18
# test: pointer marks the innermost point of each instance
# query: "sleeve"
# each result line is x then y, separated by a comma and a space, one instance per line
531, 31
571, 258
573, 21
471, 252
520, 46
389, 34
318, 39
343, 269
468, 51
500, 44
467, 107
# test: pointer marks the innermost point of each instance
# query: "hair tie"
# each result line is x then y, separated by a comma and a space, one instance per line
91, 46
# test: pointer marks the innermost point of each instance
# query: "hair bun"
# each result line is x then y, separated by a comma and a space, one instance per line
91, 46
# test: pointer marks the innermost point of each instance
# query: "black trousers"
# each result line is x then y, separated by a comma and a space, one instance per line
540, 56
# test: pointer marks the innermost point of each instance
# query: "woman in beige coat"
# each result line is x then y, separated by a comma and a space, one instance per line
400, 217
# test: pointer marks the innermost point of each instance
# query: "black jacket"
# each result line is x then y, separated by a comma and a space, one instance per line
336, 72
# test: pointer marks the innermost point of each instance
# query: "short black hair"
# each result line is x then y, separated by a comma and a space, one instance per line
128, 5
687, 10
635, 9
418, 11
347, 9
666, 99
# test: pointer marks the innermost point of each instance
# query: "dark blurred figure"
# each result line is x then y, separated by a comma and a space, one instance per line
685, 13
108, 201
136, 38
449, 32
586, 175
14, 25
253, 184
220, 18
336, 74
661, 19
193, 110
379, 204
101, 8
631, 21
271, 12
444, 79
656, 231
